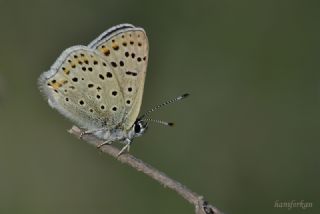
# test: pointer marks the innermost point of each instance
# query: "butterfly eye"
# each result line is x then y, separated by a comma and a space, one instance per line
140, 127
137, 128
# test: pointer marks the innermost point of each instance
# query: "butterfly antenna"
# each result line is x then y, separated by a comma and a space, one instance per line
163, 104
158, 121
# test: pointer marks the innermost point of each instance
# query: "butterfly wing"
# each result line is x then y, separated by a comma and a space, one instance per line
126, 48
82, 86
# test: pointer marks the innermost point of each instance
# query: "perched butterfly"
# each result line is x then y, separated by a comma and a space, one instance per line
100, 86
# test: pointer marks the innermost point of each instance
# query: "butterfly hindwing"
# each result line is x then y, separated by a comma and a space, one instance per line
82, 86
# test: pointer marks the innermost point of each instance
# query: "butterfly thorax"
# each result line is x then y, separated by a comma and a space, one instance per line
119, 134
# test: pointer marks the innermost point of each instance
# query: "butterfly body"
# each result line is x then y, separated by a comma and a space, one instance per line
100, 86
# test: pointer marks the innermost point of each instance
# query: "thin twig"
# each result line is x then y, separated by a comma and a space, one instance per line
201, 206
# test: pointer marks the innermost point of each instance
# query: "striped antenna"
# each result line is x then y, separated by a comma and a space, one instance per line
163, 104
158, 121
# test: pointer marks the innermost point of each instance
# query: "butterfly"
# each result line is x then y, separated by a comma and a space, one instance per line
100, 86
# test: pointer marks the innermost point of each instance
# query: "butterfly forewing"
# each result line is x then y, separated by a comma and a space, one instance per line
126, 50
82, 86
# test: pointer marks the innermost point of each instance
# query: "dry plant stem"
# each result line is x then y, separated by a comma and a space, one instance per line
201, 206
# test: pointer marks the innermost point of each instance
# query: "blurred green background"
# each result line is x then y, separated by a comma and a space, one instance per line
248, 135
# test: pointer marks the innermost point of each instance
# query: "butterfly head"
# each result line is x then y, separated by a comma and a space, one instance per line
139, 127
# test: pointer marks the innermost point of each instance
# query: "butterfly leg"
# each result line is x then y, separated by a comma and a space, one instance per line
127, 146
104, 143
89, 132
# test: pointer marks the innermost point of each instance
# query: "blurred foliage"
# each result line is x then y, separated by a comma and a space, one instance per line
247, 136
